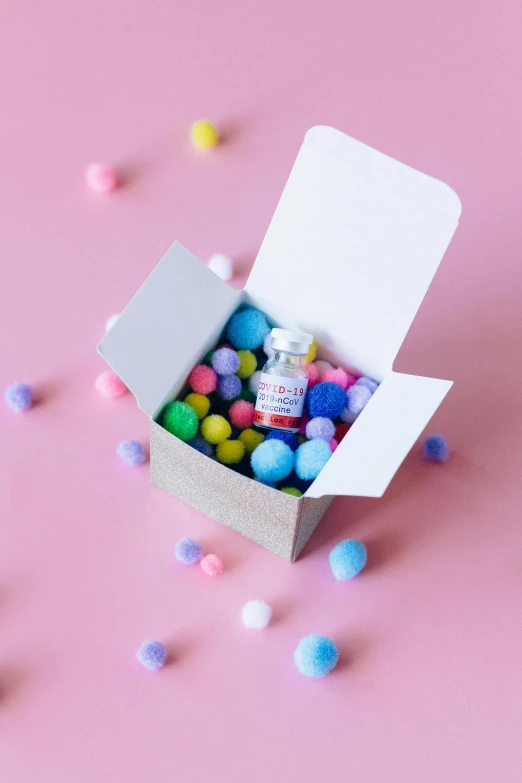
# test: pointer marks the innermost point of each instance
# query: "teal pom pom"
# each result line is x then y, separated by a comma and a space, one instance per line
316, 655
273, 460
247, 329
347, 559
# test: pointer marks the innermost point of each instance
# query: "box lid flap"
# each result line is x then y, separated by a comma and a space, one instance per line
162, 331
352, 248
370, 454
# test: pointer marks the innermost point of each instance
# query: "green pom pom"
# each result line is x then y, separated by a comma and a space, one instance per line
208, 359
180, 419
292, 491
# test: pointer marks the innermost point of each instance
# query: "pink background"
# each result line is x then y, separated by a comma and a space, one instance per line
429, 687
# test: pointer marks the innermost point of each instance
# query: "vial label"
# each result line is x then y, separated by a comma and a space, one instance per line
280, 401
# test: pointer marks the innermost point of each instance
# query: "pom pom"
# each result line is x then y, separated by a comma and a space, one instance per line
340, 377
230, 452
340, 431
358, 398
312, 373
111, 320
246, 394
180, 419
316, 655
152, 655
253, 382
199, 402
201, 445
270, 484
247, 328
228, 387
348, 417
267, 346
256, 614
250, 439
131, 452
326, 399
100, 178
305, 418
273, 460
347, 559
311, 457
221, 265
19, 397
204, 135
293, 480
436, 448
247, 364
322, 365
215, 429
292, 491
212, 565
287, 437
203, 379
368, 382
225, 361
241, 414
109, 385
310, 356
333, 444
320, 429
188, 551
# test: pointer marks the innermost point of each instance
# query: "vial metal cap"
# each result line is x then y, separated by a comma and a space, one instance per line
291, 341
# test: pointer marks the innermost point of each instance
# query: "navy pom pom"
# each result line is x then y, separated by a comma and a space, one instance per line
436, 448
326, 399
287, 437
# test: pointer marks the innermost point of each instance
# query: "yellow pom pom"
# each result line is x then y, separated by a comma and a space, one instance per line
310, 356
230, 452
247, 364
204, 135
215, 429
199, 402
292, 491
251, 439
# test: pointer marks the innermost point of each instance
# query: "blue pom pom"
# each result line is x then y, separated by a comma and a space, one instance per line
358, 397
265, 483
316, 655
247, 329
188, 551
200, 444
311, 457
287, 437
436, 448
131, 452
225, 361
152, 655
368, 382
347, 559
273, 460
327, 400
228, 387
19, 397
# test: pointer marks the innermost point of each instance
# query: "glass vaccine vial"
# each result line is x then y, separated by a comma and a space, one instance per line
282, 386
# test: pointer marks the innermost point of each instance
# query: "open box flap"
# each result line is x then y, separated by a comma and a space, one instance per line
180, 309
368, 457
352, 248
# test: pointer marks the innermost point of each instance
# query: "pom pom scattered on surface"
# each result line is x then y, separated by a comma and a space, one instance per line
100, 178
436, 448
204, 135
215, 429
131, 452
333, 444
347, 559
19, 397
152, 655
253, 382
320, 429
199, 402
267, 346
228, 387
212, 565
322, 365
247, 364
340, 377
310, 458
368, 382
312, 373
316, 655
188, 551
292, 491
180, 419
221, 265
358, 397
326, 399
256, 614
201, 445
241, 414
310, 356
225, 361
250, 439
109, 385
230, 452
273, 460
287, 437
203, 379
247, 328
111, 320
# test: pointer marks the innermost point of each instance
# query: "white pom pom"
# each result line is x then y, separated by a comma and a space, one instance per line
109, 323
322, 365
267, 346
253, 381
221, 265
256, 614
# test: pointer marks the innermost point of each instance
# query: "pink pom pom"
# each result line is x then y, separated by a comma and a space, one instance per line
109, 385
312, 373
203, 379
211, 565
100, 178
333, 444
338, 376
241, 414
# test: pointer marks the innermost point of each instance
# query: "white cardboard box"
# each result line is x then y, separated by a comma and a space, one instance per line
351, 250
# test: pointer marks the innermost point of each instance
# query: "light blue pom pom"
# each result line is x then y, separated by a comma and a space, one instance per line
247, 329
273, 460
347, 559
316, 655
310, 458
131, 452
368, 382
152, 655
436, 448
19, 397
188, 551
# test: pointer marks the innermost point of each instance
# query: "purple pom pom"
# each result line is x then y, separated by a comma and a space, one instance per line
188, 551
228, 387
287, 437
320, 429
358, 397
326, 399
225, 361
19, 397
131, 452
152, 655
436, 448
368, 382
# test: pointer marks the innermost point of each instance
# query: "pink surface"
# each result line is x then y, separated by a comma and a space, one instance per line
429, 687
